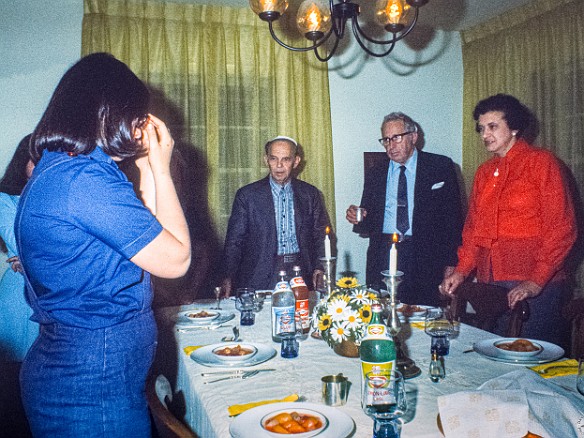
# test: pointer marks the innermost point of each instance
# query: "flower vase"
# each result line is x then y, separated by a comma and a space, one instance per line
347, 349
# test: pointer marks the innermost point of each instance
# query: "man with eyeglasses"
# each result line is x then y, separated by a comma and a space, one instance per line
415, 194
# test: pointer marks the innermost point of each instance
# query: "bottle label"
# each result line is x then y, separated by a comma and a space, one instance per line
303, 313
283, 320
282, 285
297, 282
376, 367
376, 331
380, 393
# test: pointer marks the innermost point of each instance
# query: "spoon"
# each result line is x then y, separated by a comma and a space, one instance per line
233, 338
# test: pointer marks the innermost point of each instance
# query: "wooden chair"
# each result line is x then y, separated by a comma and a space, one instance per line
489, 302
158, 391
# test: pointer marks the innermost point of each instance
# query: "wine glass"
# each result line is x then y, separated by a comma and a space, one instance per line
438, 325
383, 398
217, 292
245, 303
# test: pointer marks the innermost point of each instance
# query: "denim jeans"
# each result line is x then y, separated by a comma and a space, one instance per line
78, 382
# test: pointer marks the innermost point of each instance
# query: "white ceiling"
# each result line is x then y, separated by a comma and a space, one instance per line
440, 14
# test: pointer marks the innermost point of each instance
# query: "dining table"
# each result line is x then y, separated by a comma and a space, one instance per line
206, 404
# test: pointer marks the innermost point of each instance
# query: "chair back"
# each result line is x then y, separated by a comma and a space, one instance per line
489, 302
158, 391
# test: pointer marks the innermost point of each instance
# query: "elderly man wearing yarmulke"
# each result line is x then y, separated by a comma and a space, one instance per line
276, 223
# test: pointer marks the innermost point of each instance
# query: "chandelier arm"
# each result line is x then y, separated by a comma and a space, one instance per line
331, 53
357, 29
368, 51
298, 49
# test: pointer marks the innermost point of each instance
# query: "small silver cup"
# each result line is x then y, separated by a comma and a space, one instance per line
335, 390
359, 214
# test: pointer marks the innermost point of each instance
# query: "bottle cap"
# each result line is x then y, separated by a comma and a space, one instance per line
282, 273
296, 268
376, 307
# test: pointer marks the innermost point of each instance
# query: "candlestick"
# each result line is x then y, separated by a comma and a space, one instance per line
327, 244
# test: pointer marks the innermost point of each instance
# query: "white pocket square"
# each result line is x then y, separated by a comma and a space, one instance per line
438, 185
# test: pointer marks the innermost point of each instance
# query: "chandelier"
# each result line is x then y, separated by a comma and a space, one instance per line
318, 23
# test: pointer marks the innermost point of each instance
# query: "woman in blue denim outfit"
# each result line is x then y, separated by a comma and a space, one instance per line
88, 246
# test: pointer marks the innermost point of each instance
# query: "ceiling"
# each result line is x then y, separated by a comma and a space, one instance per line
450, 15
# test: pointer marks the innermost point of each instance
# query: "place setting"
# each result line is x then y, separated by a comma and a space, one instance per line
202, 318
233, 354
518, 351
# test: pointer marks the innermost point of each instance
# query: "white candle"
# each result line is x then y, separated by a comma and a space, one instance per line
327, 245
393, 260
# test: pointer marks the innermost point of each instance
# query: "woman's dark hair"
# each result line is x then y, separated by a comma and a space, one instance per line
98, 102
517, 115
15, 177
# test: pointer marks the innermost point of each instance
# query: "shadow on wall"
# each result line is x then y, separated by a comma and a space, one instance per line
189, 171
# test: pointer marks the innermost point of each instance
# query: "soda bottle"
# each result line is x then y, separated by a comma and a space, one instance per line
283, 307
301, 293
377, 349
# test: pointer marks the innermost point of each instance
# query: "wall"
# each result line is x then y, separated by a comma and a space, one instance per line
38, 44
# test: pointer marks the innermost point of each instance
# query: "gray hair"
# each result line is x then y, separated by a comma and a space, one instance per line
409, 123
290, 140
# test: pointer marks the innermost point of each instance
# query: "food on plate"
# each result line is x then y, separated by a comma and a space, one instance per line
292, 422
237, 350
519, 345
201, 314
409, 310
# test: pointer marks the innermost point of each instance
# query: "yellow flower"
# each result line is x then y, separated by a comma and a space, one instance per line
347, 283
365, 313
324, 322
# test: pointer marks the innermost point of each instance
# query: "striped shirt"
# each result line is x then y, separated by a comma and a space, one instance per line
285, 226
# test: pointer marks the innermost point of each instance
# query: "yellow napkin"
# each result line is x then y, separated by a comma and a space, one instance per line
188, 350
556, 369
419, 325
238, 409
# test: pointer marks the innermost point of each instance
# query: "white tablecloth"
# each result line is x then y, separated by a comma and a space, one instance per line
206, 405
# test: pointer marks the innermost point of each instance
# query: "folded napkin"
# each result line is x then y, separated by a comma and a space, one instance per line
419, 325
556, 369
188, 350
238, 409
484, 413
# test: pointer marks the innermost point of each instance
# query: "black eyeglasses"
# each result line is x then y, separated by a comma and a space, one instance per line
397, 138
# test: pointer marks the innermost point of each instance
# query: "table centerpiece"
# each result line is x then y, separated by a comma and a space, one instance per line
342, 318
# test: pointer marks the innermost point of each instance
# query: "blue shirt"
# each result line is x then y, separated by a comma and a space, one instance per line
285, 225
390, 215
78, 224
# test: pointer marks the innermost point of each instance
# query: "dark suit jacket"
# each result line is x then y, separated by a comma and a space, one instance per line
436, 225
251, 243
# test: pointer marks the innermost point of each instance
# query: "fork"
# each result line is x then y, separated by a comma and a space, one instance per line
546, 370
243, 376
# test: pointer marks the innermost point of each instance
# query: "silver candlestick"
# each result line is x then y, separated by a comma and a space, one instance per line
329, 274
404, 364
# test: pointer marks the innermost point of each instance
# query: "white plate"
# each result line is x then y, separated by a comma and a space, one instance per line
416, 316
213, 314
253, 350
248, 424
183, 321
487, 348
205, 356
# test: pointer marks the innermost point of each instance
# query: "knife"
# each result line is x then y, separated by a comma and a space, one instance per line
205, 327
235, 372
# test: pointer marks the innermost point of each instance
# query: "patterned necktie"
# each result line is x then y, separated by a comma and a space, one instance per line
402, 222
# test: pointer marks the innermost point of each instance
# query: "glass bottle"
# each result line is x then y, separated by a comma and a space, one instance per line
283, 308
436, 370
301, 293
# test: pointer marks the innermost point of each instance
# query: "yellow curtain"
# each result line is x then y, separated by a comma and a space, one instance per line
224, 86
536, 53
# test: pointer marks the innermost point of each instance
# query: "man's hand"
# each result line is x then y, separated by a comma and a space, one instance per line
352, 214
451, 283
524, 290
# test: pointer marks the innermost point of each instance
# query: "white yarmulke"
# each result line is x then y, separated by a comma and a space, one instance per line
283, 137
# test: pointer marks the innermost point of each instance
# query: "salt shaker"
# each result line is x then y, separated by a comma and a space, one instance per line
437, 370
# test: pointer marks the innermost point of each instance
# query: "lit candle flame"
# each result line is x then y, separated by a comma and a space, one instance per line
313, 18
395, 238
327, 230
267, 5
394, 11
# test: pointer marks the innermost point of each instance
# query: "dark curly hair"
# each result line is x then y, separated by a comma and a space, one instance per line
98, 102
517, 115
15, 177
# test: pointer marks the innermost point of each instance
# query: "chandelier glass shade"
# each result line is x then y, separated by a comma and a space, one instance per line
319, 22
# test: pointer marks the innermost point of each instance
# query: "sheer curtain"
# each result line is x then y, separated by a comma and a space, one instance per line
224, 87
536, 53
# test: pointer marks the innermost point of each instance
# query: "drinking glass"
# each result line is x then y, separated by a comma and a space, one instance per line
245, 303
383, 398
439, 327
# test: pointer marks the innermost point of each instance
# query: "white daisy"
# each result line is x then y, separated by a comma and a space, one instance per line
339, 332
352, 318
336, 308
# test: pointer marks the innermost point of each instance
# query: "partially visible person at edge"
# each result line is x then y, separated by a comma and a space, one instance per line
88, 246
17, 331
431, 221
275, 223
521, 224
